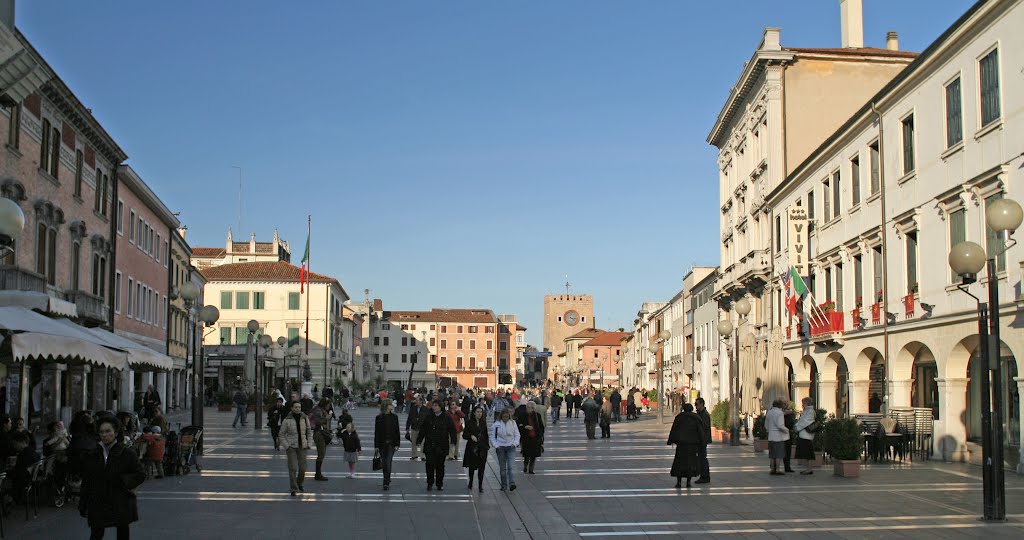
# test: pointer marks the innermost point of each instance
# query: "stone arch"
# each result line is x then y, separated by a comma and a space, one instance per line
808, 366
836, 394
923, 389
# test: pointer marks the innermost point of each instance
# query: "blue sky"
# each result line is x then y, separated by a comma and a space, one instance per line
452, 153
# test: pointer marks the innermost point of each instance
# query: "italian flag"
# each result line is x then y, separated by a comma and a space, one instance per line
304, 272
798, 290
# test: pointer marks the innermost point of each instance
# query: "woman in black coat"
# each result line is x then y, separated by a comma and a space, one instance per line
386, 438
688, 435
477, 446
531, 436
112, 472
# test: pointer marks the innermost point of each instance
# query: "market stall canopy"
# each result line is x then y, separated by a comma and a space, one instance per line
38, 301
35, 336
140, 357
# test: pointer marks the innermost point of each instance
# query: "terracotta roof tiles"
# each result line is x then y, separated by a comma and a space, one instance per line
262, 271
586, 333
852, 51
208, 252
484, 316
607, 339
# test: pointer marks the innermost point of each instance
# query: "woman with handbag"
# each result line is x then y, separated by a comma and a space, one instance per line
111, 474
805, 428
320, 422
477, 446
386, 439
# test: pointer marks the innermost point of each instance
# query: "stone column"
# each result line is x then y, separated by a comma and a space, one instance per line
801, 389
76, 387
161, 386
1020, 415
950, 437
100, 399
127, 396
899, 394
50, 393
858, 396
827, 395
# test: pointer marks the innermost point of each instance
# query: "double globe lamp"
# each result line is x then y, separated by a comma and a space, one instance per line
725, 329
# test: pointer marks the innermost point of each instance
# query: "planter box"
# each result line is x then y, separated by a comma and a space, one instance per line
819, 459
847, 468
725, 437
760, 445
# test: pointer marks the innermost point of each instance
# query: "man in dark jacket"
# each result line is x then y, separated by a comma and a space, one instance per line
591, 411
687, 434
789, 417
556, 405
241, 408
417, 413
705, 468
616, 400
112, 472
437, 433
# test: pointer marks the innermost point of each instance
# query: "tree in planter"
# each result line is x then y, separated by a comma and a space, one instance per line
823, 418
224, 400
760, 434
843, 441
720, 416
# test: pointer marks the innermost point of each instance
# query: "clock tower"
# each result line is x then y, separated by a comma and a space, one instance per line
565, 315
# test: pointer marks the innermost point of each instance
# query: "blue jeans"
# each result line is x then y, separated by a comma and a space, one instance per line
239, 415
506, 460
387, 454
555, 413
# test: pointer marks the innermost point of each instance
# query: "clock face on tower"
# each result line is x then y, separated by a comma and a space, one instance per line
571, 318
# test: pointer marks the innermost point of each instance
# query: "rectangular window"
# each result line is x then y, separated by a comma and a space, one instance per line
957, 231
257, 300
76, 261
778, 233
855, 179
826, 192
55, 153
386, 341
954, 114
405, 358
839, 287
908, 144
433, 327
837, 197
405, 342
120, 217
876, 179
98, 190
876, 255
828, 285
858, 280
911, 262
444, 343
293, 300
431, 342
117, 292
458, 344
810, 212
128, 305
412, 342
458, 362
472, 344
51, 255
472, 329
78, 173
989, 67
459, 329
241, 335
385, 358
131, 226
14, 128
242, 300
502, 345
995, 244
490, 344
225, 335
444, 362
293, 337
225, 300
44, 146
444, 328
405, 327
472, 362
376, 340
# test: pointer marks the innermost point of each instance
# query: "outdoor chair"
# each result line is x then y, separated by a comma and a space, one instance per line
31, 493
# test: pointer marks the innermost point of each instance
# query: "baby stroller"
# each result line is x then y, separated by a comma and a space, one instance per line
188, 446
171, 457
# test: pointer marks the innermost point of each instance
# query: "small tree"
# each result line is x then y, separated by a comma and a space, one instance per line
843, 438
822, 416
760, 431
720, 415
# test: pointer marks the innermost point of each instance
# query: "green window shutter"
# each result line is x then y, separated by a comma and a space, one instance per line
225, 336
908, 145
957, 232
995, 244
242, 300
293, 337
257, 300
225, 300
855, 178
990, 109
954, 114
293, 300
911, 262
241, 335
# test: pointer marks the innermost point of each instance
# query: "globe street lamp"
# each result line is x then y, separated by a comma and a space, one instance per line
254, 326
657, 344
967, 259
12, 221
207, 316
281, 342
725, 329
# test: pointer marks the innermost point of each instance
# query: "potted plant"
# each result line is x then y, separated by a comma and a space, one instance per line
760, 435
224, 400
822, 416
843, 442
828, 307
720, 421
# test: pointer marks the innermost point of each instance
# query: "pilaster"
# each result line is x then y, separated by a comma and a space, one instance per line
950, 432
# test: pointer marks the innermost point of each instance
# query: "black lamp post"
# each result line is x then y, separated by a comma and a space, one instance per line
967, 259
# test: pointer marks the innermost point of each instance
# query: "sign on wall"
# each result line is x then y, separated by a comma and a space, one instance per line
798, 239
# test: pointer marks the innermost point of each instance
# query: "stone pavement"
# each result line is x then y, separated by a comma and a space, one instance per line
601, 488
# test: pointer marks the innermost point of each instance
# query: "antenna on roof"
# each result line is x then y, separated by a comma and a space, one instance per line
567, 285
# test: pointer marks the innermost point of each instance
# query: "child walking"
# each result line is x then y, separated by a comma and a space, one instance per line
350, 441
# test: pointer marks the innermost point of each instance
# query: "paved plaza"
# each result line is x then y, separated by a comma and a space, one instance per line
601, 488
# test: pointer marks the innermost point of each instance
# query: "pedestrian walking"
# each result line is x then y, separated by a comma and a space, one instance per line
591, 411
386, 438
111, 473
556, 405
417, 413
577, 402
456, 414
531, 436
477, 446
320, 422
437, 433
570, 401
805, 438
241, 407
605, 420
778, 434
630, 406
687, 434
274, 421
352, 447
295, 437
616, 399
505, 436
705, 418
150, 401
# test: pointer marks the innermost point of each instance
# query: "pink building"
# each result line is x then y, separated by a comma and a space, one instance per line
602, 357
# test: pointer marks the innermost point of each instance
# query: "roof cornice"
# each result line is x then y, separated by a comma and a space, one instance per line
128, 176
752, 70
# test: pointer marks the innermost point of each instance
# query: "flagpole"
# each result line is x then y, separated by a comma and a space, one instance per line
309, 228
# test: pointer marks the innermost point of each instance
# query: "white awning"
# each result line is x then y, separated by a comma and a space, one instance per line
36, 336
38, 301
140, 357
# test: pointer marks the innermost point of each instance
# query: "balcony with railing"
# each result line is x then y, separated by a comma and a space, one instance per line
90, 307
827, 324
13, 278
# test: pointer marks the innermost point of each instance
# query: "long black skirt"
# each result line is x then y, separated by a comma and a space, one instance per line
687, 461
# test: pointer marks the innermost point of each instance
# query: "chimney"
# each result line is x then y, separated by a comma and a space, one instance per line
892, 41
852, 19
770, 41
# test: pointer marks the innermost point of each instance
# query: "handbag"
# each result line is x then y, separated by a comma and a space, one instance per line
813, 427
377, 465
